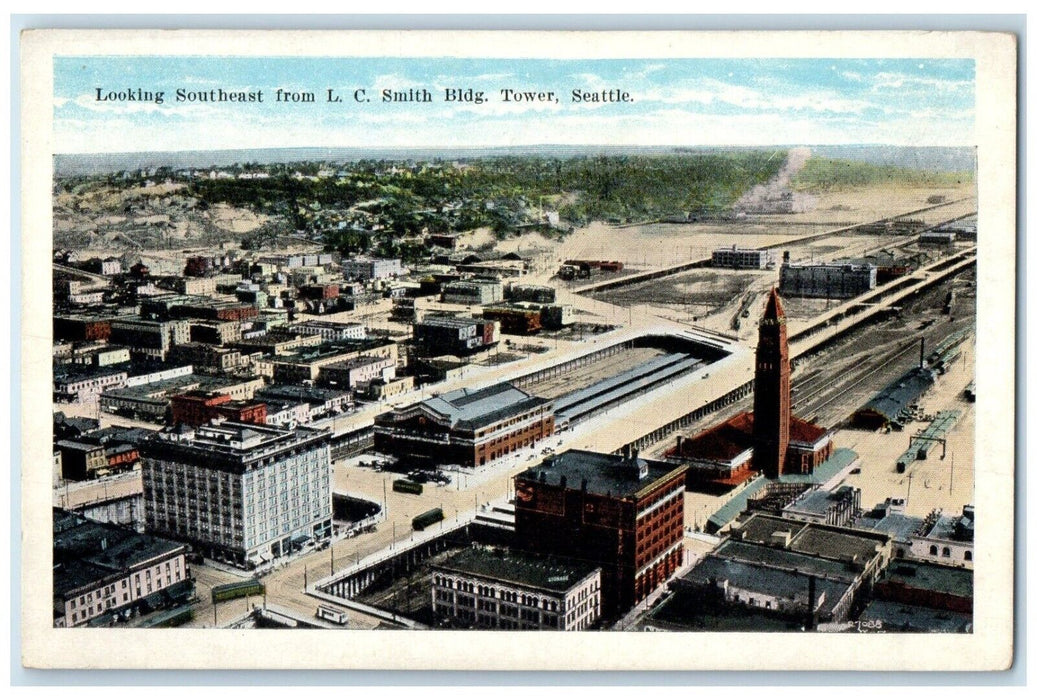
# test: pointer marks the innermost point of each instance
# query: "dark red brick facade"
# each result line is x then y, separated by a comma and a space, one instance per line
636, 554
194, 409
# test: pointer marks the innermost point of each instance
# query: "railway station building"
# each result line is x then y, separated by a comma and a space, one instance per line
465, 427
770, 439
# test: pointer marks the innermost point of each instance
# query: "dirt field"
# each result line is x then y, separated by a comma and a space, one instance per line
651, 246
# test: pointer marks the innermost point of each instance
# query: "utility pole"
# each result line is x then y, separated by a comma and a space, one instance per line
908, 499
952, 472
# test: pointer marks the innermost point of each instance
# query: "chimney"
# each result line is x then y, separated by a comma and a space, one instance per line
680, 443
811, 597
626, 451
921, 353
785, 256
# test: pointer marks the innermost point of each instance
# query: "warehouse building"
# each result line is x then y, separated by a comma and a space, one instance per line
330, 331
473, 292
200, 407
826, 281
147, 338
307, 364
494, 588
888, 407
466, 427
455, 335
243, 494
742, 258
618, 512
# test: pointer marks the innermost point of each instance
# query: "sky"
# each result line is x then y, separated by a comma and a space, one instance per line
683, 102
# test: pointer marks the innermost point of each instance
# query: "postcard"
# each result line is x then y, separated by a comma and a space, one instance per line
502, 350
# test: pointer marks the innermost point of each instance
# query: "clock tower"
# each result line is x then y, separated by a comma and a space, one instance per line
771, 399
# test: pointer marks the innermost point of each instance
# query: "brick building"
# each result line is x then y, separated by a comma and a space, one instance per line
82, 327
465, 427
200, 407
624, 514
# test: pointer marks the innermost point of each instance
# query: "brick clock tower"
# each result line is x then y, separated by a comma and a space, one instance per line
771, 401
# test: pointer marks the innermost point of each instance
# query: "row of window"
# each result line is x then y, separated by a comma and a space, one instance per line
946, 552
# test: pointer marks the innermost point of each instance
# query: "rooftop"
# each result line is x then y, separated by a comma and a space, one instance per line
779, 583
449, 321
931, 577
300, 392
509, 566
605, 474
899, 394
840, 459
86, 551
817, 501
470, 409
915, 618
228, 445
774, 557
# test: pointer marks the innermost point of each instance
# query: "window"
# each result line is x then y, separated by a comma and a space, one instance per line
968, 555
933, 550
946, 551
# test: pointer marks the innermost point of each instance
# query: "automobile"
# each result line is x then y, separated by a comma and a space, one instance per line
855, 470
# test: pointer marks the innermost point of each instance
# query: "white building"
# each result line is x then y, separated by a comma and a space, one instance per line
238, 492
364, 269
494, 588
330, 331
946, 539
742, 258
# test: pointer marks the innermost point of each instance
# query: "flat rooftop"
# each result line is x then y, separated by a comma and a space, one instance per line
449, 321
774, 557
825, 541
228, 445
553, 574
915, 618
605, 474
301, 393
86, 551
768, 581
952, 580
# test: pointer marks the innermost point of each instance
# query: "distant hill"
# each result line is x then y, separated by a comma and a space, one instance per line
943, 159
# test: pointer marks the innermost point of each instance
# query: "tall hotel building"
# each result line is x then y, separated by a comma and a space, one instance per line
238, 492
